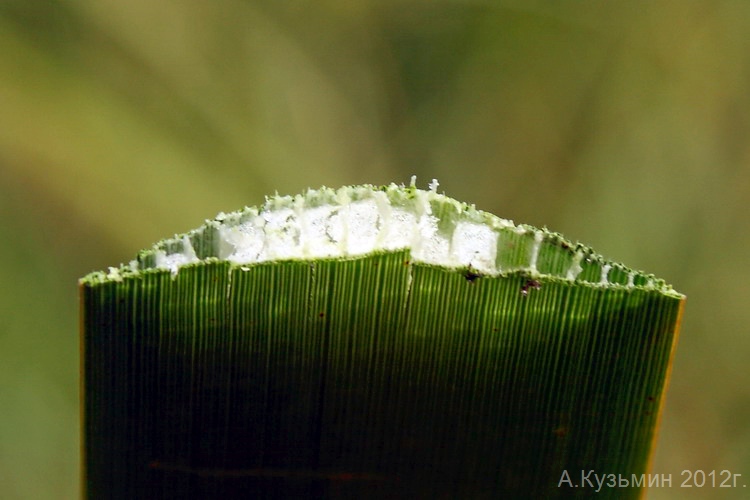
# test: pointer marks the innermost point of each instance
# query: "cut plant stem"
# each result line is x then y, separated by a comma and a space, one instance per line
370, 343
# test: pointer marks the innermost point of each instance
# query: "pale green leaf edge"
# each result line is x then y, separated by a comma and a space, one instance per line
538, 253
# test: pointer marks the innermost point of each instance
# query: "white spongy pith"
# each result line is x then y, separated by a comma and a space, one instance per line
359, 220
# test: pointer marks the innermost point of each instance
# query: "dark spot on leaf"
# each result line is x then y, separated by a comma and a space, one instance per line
528, 285
471, 276
321, 314
561, 431
650, 399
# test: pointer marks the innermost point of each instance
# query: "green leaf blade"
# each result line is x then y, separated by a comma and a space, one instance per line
373, 376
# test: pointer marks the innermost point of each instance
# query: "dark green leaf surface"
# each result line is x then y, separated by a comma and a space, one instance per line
369, 377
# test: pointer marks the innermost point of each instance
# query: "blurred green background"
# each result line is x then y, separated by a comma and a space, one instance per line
624, 125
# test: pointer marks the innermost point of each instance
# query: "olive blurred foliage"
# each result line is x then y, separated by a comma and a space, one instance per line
622, 124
